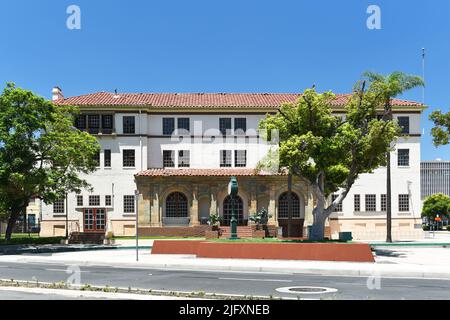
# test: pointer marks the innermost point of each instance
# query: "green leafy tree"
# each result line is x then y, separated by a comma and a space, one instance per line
437, 204
387, 88
441, 131
41, 153
328, 151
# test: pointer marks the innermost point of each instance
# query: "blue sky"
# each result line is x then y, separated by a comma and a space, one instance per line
225, 46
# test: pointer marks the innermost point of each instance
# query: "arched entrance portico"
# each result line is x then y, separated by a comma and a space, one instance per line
227, 211
176, 209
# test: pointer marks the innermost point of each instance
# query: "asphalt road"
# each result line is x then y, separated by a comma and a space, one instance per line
247, 283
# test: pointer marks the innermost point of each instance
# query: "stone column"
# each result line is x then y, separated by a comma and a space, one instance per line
194, 207
154, 210
271, 209
144, 206
253, 201
213, 204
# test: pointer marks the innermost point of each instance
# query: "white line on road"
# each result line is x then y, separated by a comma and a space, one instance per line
263, 280
64, 270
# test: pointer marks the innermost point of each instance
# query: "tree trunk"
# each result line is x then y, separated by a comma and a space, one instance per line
11, 224
388, 199
318, 227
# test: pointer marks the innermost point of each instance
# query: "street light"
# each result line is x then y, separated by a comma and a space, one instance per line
232, 192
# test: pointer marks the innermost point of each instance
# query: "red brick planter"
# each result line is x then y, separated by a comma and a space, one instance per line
175, 246
354, 252
211, 234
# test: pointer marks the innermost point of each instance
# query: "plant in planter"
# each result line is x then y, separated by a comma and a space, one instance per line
214, 222
260, 218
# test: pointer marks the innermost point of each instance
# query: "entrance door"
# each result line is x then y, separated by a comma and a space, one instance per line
94, 220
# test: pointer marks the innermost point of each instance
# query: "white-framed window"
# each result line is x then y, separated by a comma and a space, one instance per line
371, 202
128, 204
184, 157
403, 202
58, 206
108, 200
168, 158
357, 202
403, 157
339, 206
225, 158
383, 202
129, 126
129, 158
79, 200
240, 158
94, 201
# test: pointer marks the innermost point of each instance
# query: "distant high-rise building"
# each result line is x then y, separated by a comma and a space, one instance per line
435, 177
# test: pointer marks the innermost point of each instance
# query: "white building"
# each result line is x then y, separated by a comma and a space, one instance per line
183, 180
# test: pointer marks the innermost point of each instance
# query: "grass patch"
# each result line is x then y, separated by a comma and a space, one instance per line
273, 240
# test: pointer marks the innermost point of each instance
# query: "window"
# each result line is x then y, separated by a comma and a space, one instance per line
94, 201
228, 206
107, 123
225, 126
339, 206
168, 126
403, 157
58, 206
97, 159
240, 125
383, 202
357, 202
79, 201
225, 158
403, 202
176, 205
183, 159
168, 158
128, 125
240, 158
108, 201
183, 125
80, 122
128, 204
403, 122
128, 158
371, 202
107, 158
283, 206
94, 123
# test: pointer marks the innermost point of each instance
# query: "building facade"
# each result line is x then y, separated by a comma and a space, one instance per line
180, 150
435, 177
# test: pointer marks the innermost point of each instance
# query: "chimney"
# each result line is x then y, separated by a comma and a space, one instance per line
57, 94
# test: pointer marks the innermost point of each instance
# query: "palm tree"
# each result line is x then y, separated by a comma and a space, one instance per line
391, 86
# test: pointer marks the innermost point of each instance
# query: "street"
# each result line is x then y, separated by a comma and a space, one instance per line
227, 282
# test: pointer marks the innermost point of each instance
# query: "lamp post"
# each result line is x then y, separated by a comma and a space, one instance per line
232, 192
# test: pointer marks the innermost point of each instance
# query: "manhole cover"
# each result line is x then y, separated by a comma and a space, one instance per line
306, 290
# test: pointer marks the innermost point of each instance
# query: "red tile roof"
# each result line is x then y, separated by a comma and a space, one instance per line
199, 100
203, 173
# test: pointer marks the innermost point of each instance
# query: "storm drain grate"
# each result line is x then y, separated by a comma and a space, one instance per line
306, 290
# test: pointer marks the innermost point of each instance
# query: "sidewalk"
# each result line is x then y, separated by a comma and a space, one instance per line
390, 262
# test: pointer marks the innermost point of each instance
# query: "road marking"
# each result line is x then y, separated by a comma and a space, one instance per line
223, 271
64, 270
263, 280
